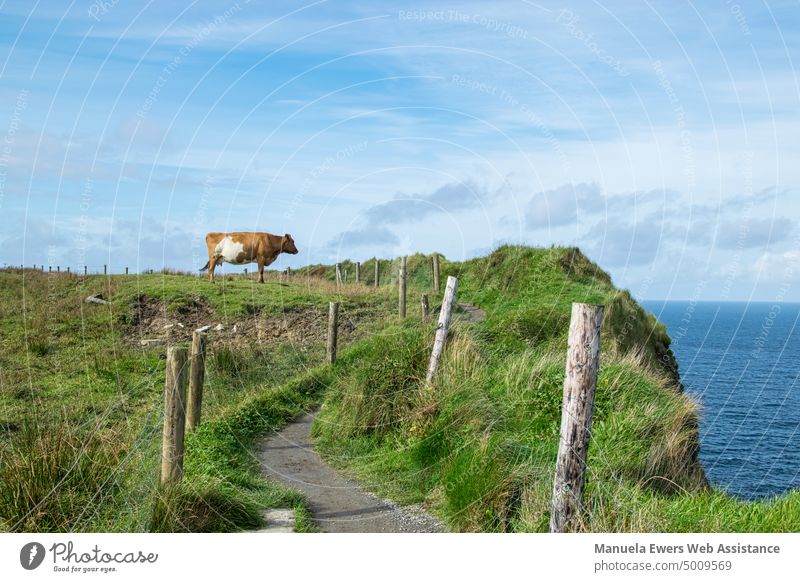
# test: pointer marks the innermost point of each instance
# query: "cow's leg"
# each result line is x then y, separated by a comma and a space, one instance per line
260, 271
212, 263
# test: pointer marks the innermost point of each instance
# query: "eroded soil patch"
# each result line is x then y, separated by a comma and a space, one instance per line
154, 323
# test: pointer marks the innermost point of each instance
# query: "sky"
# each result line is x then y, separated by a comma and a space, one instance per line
659, 137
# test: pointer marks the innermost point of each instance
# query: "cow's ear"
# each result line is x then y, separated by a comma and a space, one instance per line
287, 236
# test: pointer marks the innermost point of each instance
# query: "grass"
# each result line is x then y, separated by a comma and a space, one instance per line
80, 399
477, 447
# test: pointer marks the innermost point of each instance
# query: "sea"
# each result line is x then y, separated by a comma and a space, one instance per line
742, 363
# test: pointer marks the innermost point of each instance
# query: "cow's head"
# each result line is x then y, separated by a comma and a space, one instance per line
287, 245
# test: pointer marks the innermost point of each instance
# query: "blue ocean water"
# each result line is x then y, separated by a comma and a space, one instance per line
742, 361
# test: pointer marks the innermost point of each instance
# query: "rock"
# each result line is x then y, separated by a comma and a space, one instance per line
179, 324
202, 329
169, 326
96, 298
151, 342
219, 327
234, 327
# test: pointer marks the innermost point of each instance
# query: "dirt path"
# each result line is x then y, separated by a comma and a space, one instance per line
337, 504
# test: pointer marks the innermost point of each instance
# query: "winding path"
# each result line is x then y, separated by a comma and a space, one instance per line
338, 504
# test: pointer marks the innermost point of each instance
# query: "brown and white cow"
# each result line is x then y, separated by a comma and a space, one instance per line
240, 248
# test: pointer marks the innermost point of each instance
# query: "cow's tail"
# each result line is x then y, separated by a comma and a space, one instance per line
205, 268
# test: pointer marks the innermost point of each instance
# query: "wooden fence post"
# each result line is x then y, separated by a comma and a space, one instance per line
288, 272
402, 286
85, 270
197, 371
174, 416
580, 381
105, 269
436, 273
441, 329
67, 269
333, 329
358, 272
377, 272
426, 310
338, 274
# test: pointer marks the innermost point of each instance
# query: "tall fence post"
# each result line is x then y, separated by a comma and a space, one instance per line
174, 416
105, 269
426, 310
580, 382
402, 287
288, 272
197, 371
448, 302
333, 330
338, 274
67, 269
85, 270
126, 270
377, 272
358, 272
436, 273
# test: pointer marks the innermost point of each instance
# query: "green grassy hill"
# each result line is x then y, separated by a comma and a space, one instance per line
81, 399
479, 446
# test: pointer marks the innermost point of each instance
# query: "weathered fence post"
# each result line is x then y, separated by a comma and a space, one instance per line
333, 330
126, 270
580, 381
436, 273
426, 310
197, 371
49, 268
358, 272
58, 268
105, 269
288, 272
67, 269
245, 271
377, 272
441, 329
402, 286
338, 274
85, 270
174, 416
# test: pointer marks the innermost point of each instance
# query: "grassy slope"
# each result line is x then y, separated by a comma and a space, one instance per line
479, 445
80, 402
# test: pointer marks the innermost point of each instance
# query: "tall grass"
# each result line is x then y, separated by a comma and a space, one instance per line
50, 475
478, 446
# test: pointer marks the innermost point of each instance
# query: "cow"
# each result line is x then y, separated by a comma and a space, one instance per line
240, 248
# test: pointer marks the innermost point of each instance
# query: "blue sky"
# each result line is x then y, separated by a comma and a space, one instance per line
660, 137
